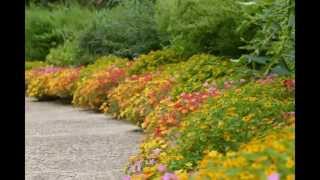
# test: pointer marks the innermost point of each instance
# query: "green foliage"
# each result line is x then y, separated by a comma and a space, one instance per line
126, 30
201, 25
86, 3
273, 45
40, 33
64, 55
48, 28
35, 64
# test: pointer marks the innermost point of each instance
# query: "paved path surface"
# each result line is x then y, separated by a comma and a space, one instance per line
67, 143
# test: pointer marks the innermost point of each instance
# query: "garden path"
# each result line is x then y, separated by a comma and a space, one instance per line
62, 142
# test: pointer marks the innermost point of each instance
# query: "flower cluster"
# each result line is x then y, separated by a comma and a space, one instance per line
119, 97
38, 81
92, 92
270, 157
140, 105
63, 83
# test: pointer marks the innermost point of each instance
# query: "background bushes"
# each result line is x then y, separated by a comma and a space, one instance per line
40, 33
272, 46
72, 32
126, 30
46, 29
201, 26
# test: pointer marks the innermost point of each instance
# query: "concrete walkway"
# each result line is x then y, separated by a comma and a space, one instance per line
67, 143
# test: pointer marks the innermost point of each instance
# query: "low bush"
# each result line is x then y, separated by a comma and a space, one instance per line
119, 97
97, 79
38, 80
63, 84
140, 104
64, 54
93, 92
52, 82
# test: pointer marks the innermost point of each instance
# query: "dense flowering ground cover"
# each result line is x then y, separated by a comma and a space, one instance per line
97, 79
50, 82
204, 117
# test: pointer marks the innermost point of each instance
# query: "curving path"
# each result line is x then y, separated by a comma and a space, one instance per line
65, 143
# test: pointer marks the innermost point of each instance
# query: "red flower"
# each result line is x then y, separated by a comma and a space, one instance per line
289, 84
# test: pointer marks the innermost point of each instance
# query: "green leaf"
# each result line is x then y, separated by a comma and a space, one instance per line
280, 70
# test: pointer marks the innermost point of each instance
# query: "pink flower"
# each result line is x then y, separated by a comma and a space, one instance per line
162, 168
126, 178
274, 176
169, 176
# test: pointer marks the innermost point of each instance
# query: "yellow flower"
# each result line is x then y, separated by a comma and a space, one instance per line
246, 175
290, 177
271, 169
290, 163
213, 154
256, 165
182, 175
248, 117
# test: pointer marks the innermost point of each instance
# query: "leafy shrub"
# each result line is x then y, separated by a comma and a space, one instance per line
48, 28
273, 43
64, 54
126, 30
201, 26
40, 33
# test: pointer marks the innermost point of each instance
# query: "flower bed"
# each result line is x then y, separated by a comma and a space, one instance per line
223, 123
203, 117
